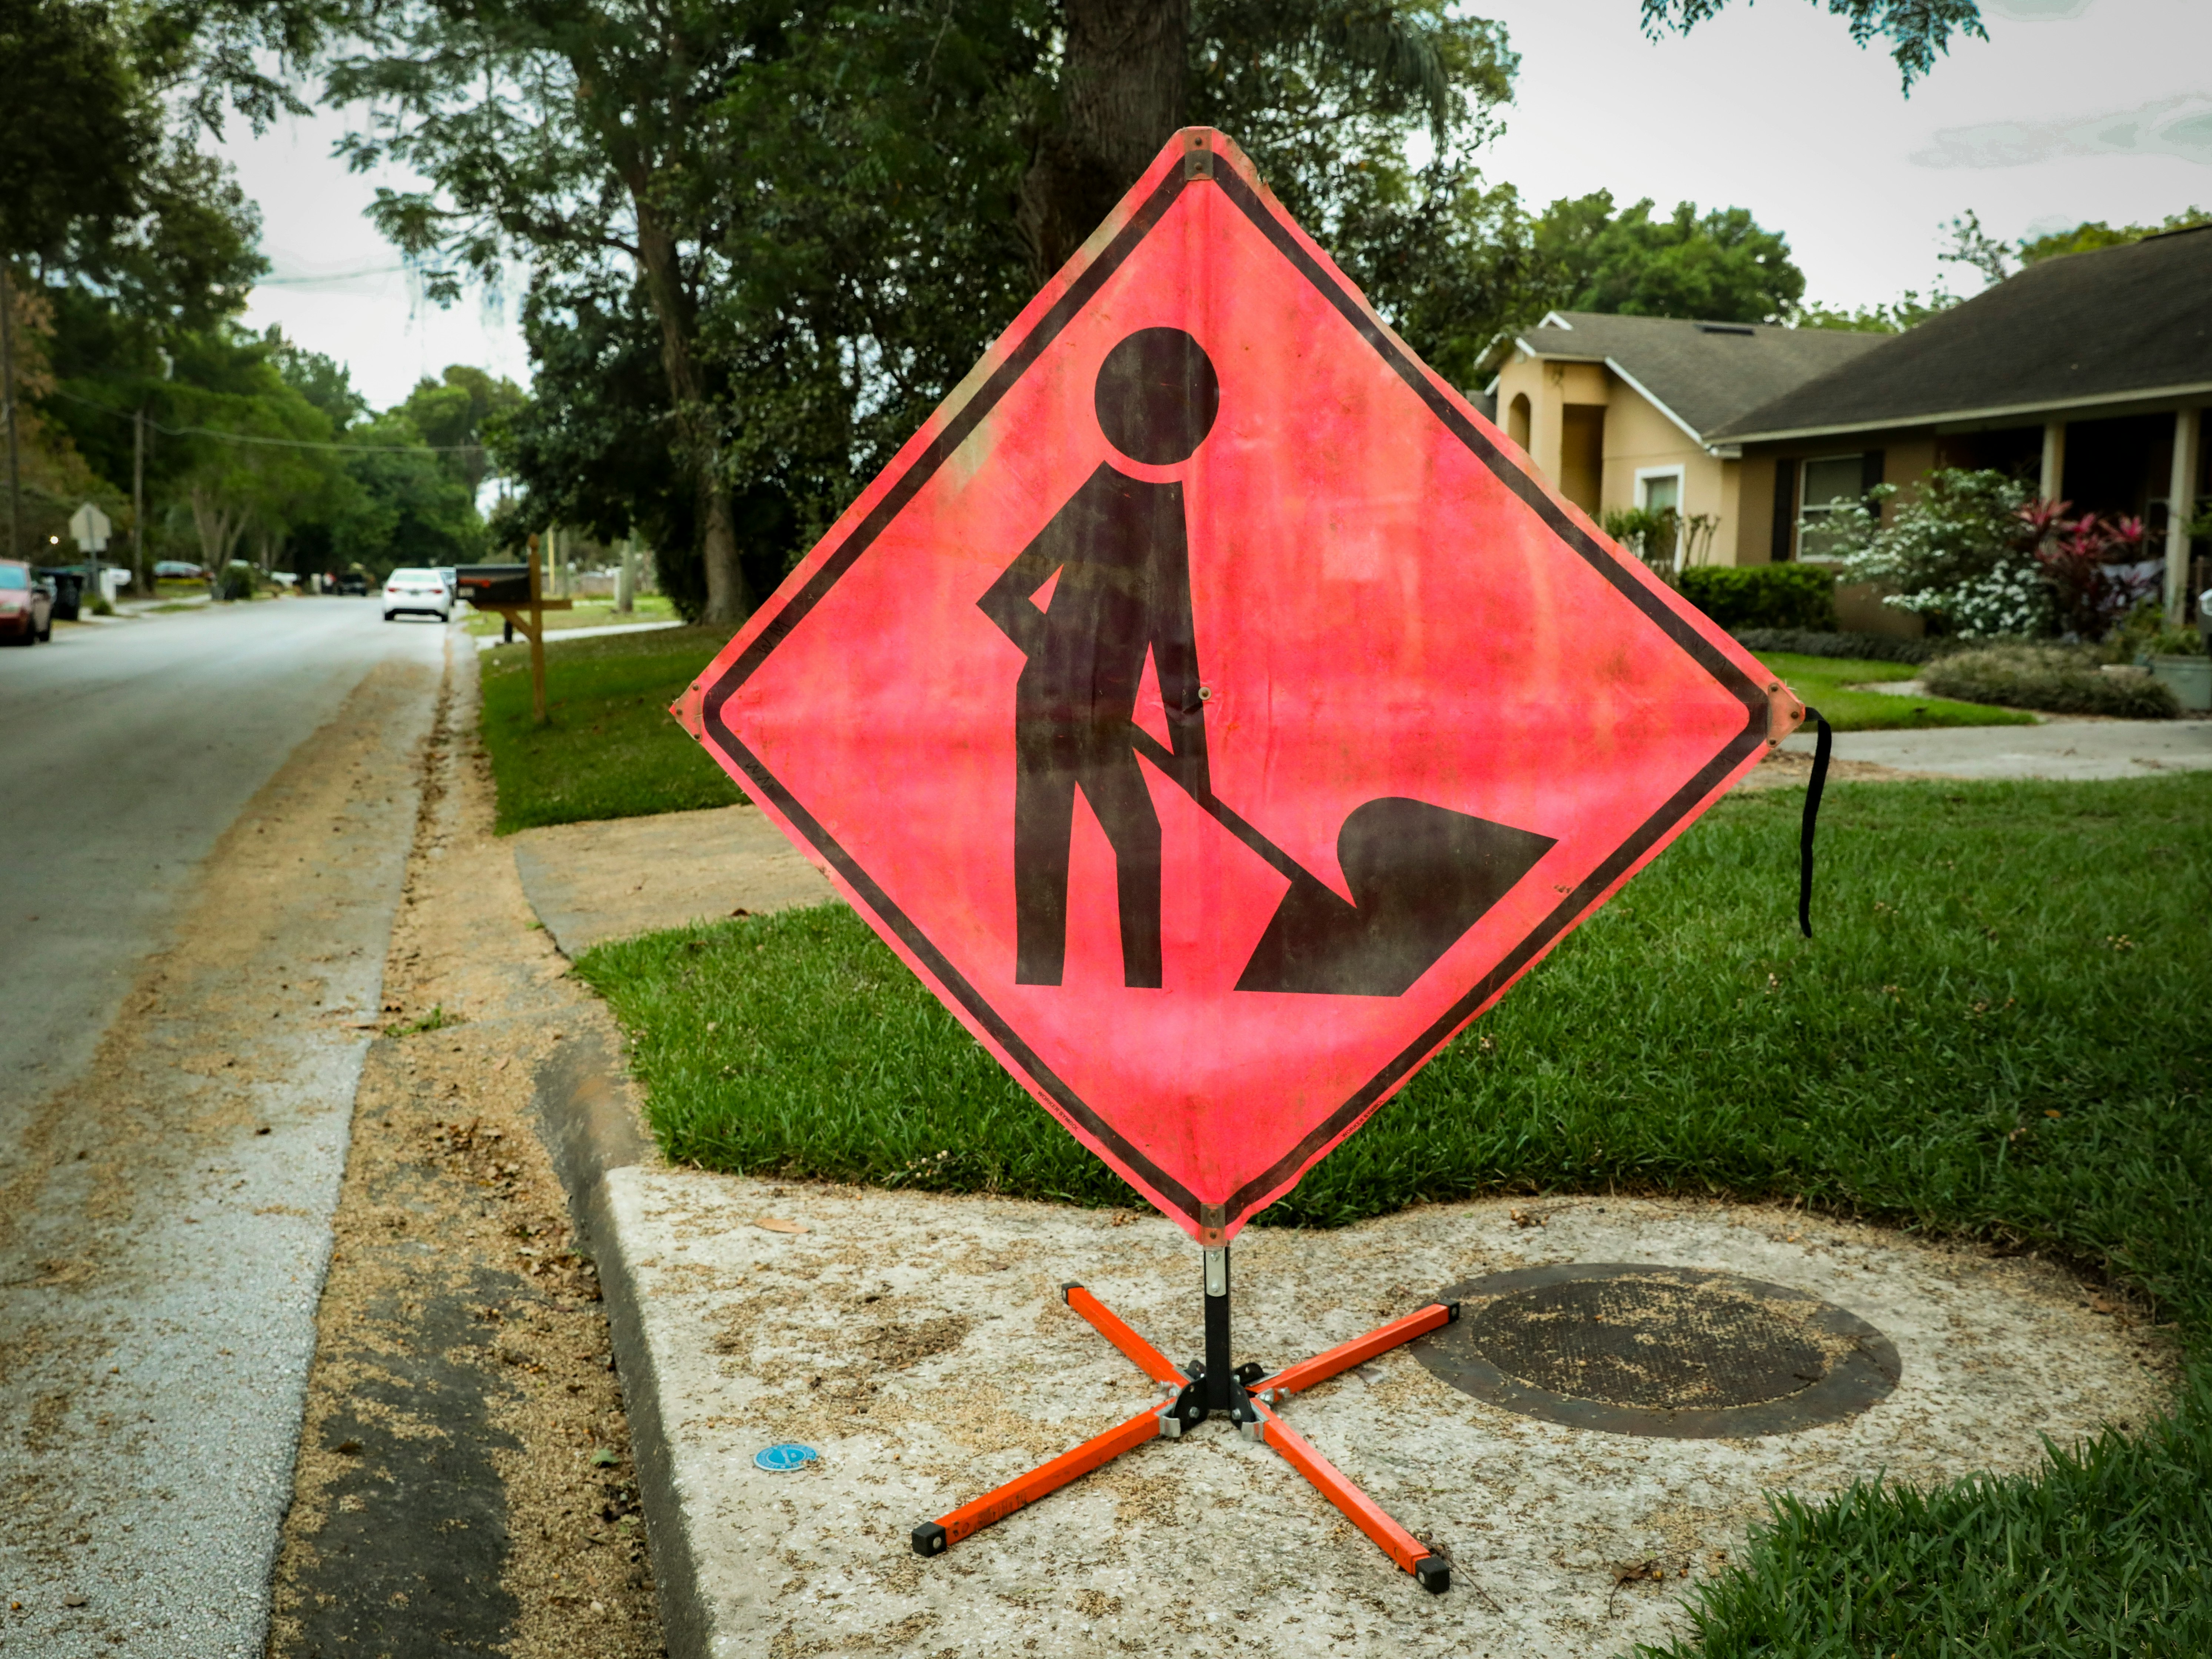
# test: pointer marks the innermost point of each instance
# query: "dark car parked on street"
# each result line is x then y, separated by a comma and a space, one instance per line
65, 583
26, 604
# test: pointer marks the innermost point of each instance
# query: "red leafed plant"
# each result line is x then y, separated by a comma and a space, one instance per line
2084, 560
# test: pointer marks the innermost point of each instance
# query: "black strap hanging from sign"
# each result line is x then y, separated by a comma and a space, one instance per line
1822, 746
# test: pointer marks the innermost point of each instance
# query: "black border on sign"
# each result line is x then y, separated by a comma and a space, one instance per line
961, 422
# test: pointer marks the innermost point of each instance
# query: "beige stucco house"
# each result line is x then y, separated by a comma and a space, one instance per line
1622, 412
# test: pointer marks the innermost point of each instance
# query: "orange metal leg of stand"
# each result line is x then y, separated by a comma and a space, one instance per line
1141, 1353
1024, 1489
1433, 1574
1322, 1366
1363, 1511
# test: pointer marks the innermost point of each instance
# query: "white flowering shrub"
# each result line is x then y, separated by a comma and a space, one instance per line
1979, 553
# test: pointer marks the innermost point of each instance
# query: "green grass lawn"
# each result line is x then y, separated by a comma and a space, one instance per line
2001, 1031
609, 748
1822, 680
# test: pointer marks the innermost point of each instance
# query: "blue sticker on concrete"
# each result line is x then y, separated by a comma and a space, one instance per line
781, 1460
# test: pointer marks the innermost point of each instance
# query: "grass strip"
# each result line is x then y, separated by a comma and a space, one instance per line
1999, 1031
609, 747
1824, 682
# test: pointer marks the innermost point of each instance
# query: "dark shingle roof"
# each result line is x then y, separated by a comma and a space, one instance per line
2088, 327
1706, 372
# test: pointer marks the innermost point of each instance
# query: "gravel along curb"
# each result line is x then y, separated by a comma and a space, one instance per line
464, 1479
588, 1120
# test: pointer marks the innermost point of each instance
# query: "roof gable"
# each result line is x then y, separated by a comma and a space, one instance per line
1702, 374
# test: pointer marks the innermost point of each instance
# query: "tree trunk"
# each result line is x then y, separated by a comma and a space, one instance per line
218, 529
8, 412
142, 571
1121, 98
728, 602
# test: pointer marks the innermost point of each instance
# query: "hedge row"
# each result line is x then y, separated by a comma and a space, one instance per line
2052, 677
1763, 595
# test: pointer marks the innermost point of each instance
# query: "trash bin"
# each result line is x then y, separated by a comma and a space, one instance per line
69, 590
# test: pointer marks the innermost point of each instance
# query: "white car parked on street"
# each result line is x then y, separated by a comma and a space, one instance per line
417, 592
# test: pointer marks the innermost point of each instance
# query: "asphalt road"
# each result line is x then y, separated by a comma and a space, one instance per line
205, 820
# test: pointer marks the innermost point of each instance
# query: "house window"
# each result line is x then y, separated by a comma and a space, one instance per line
1517, 419
1830, 482
1659, 489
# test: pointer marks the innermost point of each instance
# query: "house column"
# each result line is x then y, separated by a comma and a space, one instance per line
2180, 502
2054, 460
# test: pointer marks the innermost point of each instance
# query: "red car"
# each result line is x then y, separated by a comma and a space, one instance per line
26, 604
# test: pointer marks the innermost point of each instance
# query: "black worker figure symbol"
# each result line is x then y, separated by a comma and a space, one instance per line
1123, 562
1420, 876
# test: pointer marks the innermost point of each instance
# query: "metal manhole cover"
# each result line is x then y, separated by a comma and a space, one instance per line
1638, 1349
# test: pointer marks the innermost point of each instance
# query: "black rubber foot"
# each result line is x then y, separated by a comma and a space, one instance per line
1071, 1285
929, 1539
1431, 1572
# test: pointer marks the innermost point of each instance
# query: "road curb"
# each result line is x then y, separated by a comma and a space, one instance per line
581, 1104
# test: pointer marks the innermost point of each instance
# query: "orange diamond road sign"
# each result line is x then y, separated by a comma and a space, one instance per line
1213, 709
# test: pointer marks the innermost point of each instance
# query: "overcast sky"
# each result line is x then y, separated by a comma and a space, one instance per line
2072, 110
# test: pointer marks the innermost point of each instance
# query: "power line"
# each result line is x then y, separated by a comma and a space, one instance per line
280, 443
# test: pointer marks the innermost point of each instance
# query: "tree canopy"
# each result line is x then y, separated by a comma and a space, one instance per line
2095, 233
1720, 265
821, 214
1918, 31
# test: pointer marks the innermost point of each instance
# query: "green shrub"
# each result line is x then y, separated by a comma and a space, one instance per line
1861, 648
2054, 678
236, 582
1763, 595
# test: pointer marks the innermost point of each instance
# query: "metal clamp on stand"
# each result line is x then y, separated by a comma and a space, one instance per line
1246, 1395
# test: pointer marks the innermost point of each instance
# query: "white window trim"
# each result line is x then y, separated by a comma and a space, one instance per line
1679, 474
1797, 520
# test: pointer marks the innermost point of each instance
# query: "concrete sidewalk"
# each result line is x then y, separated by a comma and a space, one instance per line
2060, 747
553, 635
621, 877
921, 1345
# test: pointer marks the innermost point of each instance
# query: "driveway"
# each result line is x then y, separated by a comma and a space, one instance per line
206, 818
2059, 747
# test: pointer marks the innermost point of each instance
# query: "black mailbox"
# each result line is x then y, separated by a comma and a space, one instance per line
488, 587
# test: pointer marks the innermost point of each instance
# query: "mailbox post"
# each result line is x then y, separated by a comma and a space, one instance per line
516, 592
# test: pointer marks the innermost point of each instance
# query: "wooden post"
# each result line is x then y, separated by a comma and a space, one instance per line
536, 637
529, 616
